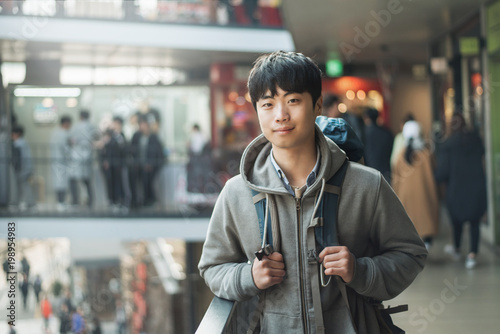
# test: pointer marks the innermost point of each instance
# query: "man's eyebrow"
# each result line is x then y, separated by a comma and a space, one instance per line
266, 97
272, 97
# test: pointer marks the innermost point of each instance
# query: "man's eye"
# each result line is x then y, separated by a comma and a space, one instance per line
293, 100
266, 105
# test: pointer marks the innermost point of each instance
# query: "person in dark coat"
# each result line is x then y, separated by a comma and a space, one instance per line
461, 167
146, 152
37, 288
64, 319
114, 166
378, 144
25, 284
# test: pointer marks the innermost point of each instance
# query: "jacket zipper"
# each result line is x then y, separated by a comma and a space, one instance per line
301, 278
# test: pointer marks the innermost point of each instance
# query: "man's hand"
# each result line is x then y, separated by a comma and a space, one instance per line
337, 260
268, 272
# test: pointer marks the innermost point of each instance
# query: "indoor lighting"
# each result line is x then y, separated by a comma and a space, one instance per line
350, 94
361, 94
47, 92
342, 107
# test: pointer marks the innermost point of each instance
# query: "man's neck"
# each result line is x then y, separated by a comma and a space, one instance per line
296, 164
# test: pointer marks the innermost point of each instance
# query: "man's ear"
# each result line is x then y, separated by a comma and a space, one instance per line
319, 106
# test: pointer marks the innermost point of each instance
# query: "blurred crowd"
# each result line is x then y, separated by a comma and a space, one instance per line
129, 166
219, 12
424, 172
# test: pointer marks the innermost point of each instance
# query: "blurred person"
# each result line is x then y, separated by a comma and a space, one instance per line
77, 322
378, 144
60, 160
11, 328
331, 109
121, 317
60, 8
37, 288
5, 266
64, 319
380, 252
413, 182
24, 286
46, 309
82, 138
23, 169
460, 165
399, 141
199, 163
147, 154
114, 164
68, 301
25, 266
96, 326
252, 12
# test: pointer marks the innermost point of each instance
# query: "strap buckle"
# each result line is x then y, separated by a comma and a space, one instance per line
266, 250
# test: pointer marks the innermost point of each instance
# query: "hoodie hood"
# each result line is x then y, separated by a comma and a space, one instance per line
259, 174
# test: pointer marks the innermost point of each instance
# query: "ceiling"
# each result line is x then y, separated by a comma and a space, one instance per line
318, 27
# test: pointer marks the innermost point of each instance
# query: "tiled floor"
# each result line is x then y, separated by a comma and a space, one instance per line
448, 298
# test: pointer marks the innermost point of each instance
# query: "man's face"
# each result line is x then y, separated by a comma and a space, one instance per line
287, 119
117, 126
144, 127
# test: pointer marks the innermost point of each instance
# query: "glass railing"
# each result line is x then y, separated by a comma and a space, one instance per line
198, 12
100, 187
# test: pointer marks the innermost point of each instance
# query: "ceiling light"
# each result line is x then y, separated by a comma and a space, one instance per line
47, 92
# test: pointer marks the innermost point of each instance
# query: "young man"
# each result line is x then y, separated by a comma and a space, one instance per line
379, 254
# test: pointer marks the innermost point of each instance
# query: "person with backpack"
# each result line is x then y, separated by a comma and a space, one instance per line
313, 268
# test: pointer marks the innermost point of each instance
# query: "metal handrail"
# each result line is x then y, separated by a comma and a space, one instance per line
217, 318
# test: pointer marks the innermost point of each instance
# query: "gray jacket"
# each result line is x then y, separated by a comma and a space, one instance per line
372, 224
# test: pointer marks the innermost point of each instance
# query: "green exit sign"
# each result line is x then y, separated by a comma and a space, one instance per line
334, 68
469, 46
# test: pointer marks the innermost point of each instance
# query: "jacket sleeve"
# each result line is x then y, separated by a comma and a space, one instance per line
223, 263
400, 255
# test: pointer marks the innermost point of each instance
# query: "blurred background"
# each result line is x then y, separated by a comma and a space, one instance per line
120, 122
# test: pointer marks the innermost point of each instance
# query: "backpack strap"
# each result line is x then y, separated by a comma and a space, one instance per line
327, 213
265, 227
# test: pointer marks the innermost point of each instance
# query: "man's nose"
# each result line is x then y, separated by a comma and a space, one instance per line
281, 113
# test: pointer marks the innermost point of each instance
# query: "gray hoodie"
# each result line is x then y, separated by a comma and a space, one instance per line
372, 224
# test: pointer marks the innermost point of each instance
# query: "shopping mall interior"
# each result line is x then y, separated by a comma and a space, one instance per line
110, 228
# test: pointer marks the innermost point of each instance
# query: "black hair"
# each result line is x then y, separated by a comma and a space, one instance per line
409, 151
458, 123
64, 120
372, 114
84, 114
18, 130
290, 71
408, 117
118, 119
142, 119
329, 100
196, 127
